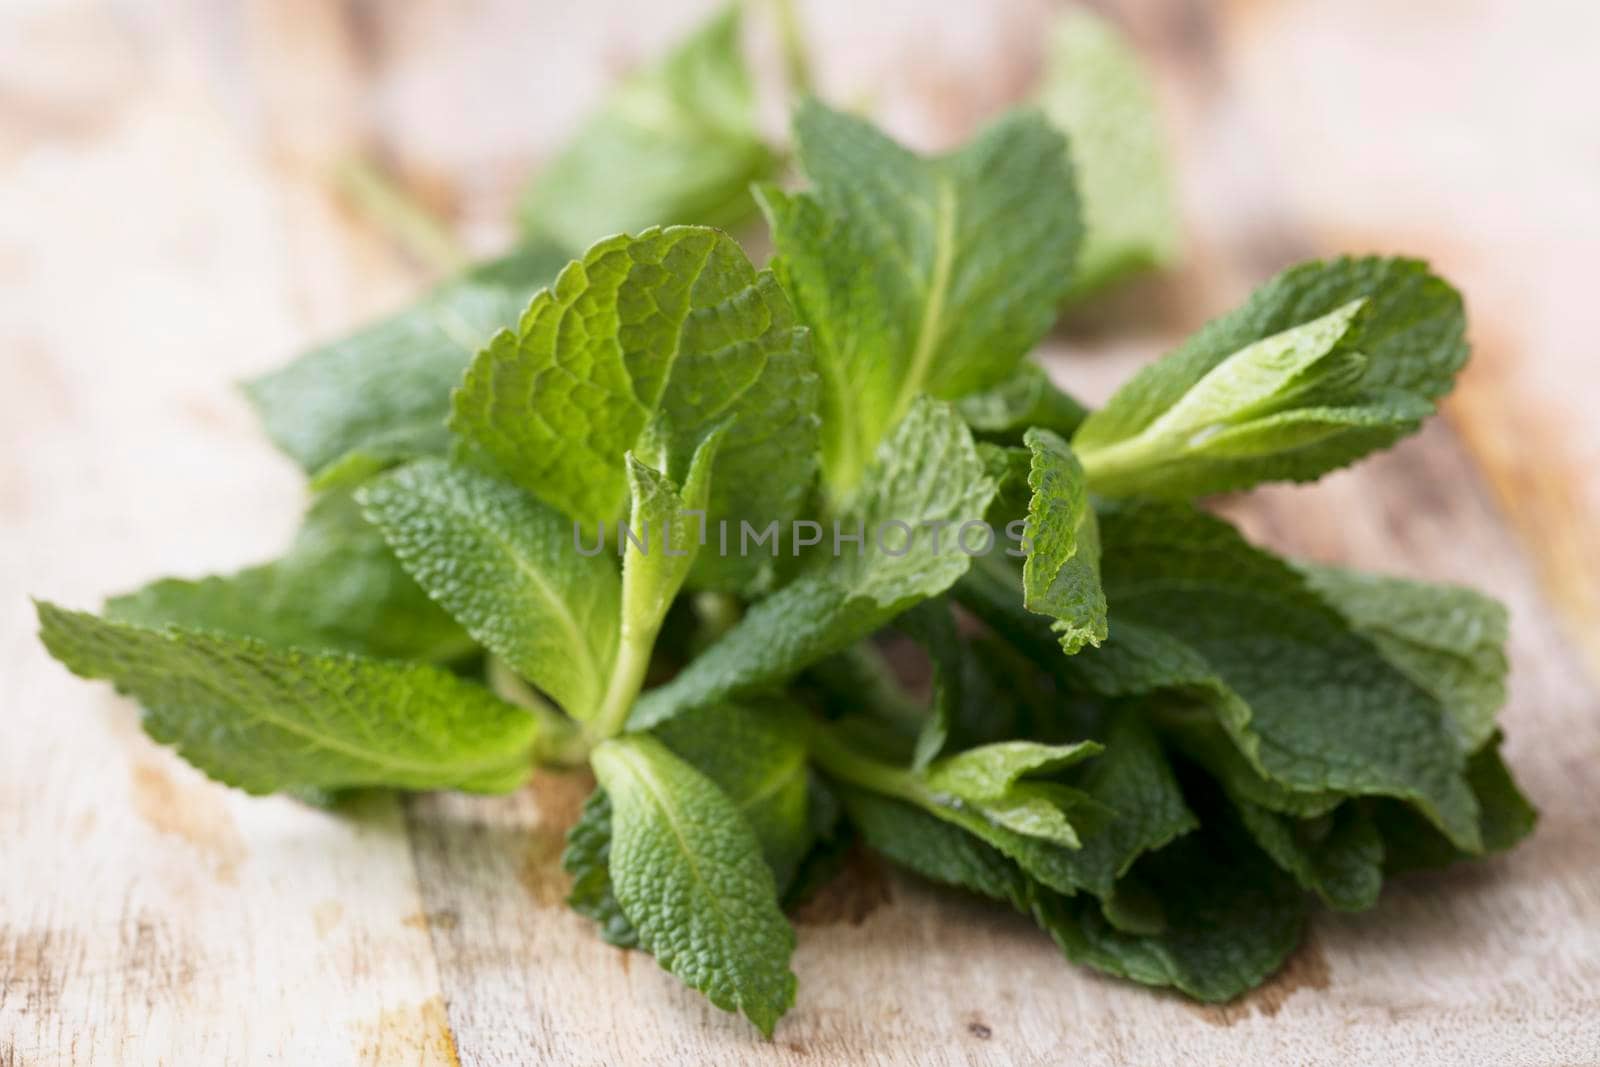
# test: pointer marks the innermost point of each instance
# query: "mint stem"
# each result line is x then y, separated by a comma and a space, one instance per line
627, 679
845, 763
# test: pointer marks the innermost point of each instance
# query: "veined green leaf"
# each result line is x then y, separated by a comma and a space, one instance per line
338, 587
506, 566
1307, 701
383, 392
1229, 918
1323, 364
933, 848
1411, 842
688, 873
990, 780
587, 858
1061, 575
919, 275
1104, 815
929, 477
1098, 94
1339, 856
645, 345
269, 719
1447, 639
754, 754
664, 522
674, 143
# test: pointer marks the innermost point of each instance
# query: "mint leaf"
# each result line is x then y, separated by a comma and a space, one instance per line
338, 587
1310, 704
919, 275
1085, 843
1447, 639
505, 565
664, 520
928, 475
933, 848
384, 391
269, 719
1061, 576
1097, 92
1323, 364
588, 859
674, 143
1229, 918
1025, 399
990, 780
646, 344
1339, 855
688, 873
1139, 806
757, 755
1411, 842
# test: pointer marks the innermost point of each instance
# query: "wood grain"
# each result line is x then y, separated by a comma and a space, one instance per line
169, 222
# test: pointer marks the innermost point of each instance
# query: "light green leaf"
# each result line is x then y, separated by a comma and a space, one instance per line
338, 587
646, 344
989, 780
1025, 399
688, 873
1096, 91
1122, 805
756, 754
507, 567
929, 476
1061, 576
269, 719
384, 391
1309, 703
662, 539
989, 772
674, 143
1325, 363
1448, 639
919, 275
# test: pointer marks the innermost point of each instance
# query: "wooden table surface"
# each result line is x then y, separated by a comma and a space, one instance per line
170, 222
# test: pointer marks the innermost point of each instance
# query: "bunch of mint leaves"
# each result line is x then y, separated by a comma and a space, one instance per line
1162, 743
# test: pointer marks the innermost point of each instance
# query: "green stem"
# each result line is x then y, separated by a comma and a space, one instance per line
1124, 469
557, 740
627, 679
843, 762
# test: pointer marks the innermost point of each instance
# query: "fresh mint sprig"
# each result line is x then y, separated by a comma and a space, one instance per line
1158, 741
